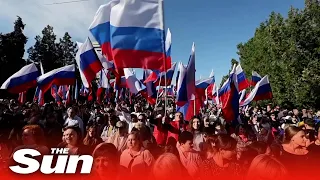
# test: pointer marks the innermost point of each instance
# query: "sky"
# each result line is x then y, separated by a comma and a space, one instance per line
216, 26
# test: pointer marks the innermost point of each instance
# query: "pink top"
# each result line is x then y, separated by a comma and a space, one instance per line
141, 161
191, 161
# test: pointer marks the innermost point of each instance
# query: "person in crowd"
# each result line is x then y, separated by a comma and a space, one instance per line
294, 154
195, 127
264, 167
92, 138
105, 162
109, 129
72, 139
242, 138
189, 158
168, 166
73, 120
222, 162
119, 139
309, 124
136, 160
175, 127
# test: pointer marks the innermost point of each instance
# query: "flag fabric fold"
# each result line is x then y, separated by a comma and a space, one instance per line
255, 78
241, 78
134, 85
22, 80
137, 35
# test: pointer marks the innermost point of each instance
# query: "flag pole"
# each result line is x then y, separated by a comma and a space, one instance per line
161, 3
158, 93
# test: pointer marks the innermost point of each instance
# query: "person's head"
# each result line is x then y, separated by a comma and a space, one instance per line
91, 132
166, 167
122, 127
206, 121
32, 134
195, 124
186, 141
309, 123
105, 159
71, 112
310, 136
178, 116
254, 119
294, 136
273, 117
134, 141
241, 130
100, 119
113, 120
142, 118
264, 167
225, 146
72, 136
134, 118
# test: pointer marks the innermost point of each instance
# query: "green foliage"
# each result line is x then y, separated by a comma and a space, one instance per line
67, 48
288, 50
12, 50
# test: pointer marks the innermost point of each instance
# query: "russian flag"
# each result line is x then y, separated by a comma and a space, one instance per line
182, 96
229, 96
242, 95
134, 85
100, 28
241, 78
36, 95
76, 91
190, 74
162, 76
255, 78
62, 92
204, 83
107, 65
137, 35
261, 91
89, 63
54, 93
61, 76
84, 91
22, 80
22, 97
150, 93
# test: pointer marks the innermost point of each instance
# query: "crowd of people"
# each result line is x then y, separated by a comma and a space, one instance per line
138, 140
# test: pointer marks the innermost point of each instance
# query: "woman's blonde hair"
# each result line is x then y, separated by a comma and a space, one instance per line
167, 166
265, 167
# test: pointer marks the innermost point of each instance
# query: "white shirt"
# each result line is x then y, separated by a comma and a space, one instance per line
76, 121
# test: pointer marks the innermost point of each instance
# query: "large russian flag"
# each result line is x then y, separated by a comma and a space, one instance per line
241, 78
204, 83
61, 76
22, 80
100, 28
89, 63
255, 78
262, 91
229, 96
161, 79
182, 95
137, 35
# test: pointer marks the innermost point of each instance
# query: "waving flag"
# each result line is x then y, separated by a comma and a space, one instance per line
61, 76
255, 78
204, 83
162, 76
54, 93
134, 85
88, 62
84, 91
150, 93
241, 78
229, 96
242, 95
182, 96
100, 28
211, 88
62, 92
22, 97
261, 91
137, 35
22, 80
191, 70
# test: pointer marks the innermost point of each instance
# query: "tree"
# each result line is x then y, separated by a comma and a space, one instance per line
12, 50
287, 50
46, 50
67, 49
225, 77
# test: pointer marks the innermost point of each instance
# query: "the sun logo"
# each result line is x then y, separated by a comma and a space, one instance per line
65, 163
